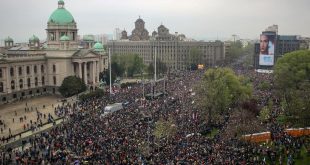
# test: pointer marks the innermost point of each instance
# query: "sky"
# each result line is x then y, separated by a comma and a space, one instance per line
198, 19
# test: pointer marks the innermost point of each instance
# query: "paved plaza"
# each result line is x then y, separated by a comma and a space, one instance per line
18, 116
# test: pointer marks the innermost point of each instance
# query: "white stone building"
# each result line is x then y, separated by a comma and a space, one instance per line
40, 68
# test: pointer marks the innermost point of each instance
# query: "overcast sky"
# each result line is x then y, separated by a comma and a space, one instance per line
199, 19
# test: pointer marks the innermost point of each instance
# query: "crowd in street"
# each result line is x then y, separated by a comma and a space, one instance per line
127, 136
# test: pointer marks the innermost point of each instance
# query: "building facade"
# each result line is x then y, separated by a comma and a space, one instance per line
38, 69
172, 49
282, 44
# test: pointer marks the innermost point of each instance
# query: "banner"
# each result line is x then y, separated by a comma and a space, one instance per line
267, 49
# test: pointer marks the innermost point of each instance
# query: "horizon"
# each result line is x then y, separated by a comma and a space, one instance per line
200, 20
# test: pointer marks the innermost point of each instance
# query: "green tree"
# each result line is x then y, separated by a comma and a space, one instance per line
161, 67
248, 53
165, 128
235, 52
105, 76
150, 69
292, 83
264, 114
194, 58
136, 66
128, 64
72, 85
118, 67
221, 89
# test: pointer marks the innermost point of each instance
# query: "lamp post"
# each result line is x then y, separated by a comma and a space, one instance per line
110, 70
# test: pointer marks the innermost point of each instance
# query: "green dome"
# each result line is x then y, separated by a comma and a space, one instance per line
88, 38
33, 38
61, 16
64, 38
98, 46
8, 39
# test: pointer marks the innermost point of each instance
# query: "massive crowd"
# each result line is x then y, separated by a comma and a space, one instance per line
127, 136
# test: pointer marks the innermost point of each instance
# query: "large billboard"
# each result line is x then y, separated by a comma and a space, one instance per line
267, 49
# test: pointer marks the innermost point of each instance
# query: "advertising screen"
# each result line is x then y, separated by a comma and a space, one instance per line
267, 49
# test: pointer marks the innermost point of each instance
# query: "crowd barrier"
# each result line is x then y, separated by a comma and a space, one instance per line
266, 136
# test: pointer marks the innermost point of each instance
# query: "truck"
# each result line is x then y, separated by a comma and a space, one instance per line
113, 108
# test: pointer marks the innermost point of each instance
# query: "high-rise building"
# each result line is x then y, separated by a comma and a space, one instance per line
117, 34
273, 46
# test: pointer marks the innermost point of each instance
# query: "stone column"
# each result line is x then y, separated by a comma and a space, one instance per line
80, 70
16, 78
85, 72
97, 71
8, 80
94, 71
38, 75
25, 77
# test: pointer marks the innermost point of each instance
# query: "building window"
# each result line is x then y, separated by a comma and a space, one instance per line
54, 68
36, 81
43, 80
28, 70
73, 36
20, 71
28, 82
52, 36
1, 86
35, 69
12, 71
21, 85
42, 68
0, 73
12, 84
54, 79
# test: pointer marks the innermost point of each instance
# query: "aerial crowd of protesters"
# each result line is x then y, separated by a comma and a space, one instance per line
127, 136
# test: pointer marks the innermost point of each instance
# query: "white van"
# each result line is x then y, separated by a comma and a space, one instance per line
112, 108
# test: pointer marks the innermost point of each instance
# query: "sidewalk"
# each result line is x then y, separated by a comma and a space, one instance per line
16, 142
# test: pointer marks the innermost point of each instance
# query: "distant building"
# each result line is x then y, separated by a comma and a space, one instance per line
304, 42
172, 49
272, 28
117, 34
102, 38
227, 45
278, 45
39, 68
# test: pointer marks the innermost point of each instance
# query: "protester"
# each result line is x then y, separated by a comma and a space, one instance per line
126, 136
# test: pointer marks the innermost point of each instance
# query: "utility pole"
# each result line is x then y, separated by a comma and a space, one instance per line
143, 83
155, 64
110, 69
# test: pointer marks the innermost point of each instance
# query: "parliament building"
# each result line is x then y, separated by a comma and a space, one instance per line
36, 68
